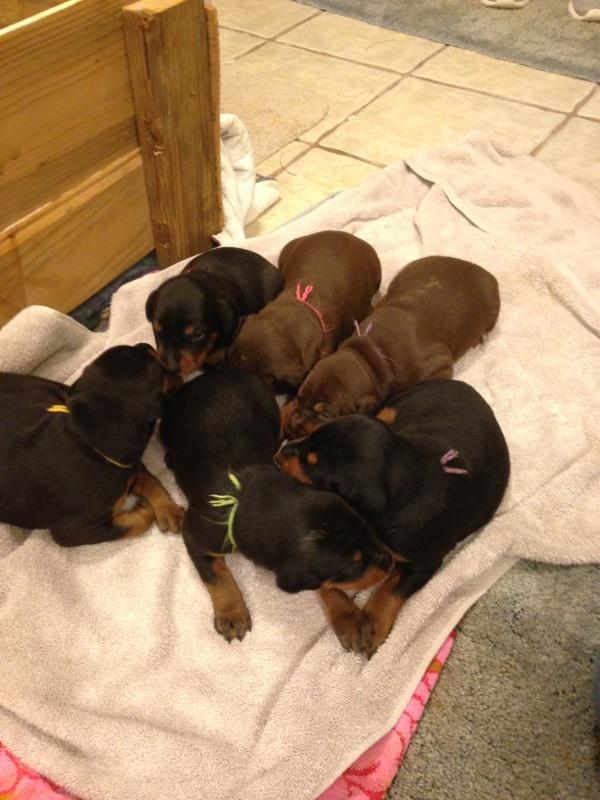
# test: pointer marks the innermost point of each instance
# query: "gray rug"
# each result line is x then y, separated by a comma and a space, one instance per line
512, 716
541, 35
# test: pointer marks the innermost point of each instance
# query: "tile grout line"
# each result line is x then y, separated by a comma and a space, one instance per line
562, 124
411, 72
348, 60
528, 103
319, 142
270, 38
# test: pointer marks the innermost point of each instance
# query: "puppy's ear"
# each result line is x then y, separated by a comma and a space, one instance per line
292, 578
155, 406
102, 420
228, 316
151, 305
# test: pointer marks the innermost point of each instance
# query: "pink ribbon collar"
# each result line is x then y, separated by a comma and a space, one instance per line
451, 455
302, 296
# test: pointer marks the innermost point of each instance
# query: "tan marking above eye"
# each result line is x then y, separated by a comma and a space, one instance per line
319, 408
157, 327
357, 556
312, 458
387, 415
189, 329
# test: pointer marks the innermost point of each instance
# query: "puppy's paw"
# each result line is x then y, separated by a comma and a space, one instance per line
355, 631
379, 635
233, 622
169, 517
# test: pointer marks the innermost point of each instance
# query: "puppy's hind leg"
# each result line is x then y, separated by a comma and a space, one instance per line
382, 609
385, 604
350, 624
169, 515
119, 525
231, 616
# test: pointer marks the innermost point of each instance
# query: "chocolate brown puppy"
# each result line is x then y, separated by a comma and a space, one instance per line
71, 455
330, 278
196, 314
435, 310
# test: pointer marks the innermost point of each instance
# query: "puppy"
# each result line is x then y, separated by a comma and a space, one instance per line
435, 309
71, 455
221, 431
431, 470
330, 278
195, 315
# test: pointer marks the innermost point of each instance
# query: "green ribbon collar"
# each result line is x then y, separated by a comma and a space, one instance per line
231, 502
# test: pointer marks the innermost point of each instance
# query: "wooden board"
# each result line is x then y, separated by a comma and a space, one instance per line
74, 211
67, 109
79, 243
12, 295
15, 10
168, 59
214, 68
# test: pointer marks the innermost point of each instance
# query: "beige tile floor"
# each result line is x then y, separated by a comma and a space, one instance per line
365, 72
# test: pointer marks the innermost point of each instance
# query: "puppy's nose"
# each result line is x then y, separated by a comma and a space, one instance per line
285, 451
288, 451
169, 362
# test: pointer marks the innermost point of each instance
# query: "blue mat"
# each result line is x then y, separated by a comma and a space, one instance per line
541, 35
94, 312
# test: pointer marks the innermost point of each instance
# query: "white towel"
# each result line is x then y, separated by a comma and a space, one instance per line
112, 679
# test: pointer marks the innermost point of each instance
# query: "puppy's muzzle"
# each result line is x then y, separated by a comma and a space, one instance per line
287, 458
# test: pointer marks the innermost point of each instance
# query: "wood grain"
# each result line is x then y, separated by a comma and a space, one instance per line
76, 245
214, 68
168, 59
12, 296
15, 10
67, 109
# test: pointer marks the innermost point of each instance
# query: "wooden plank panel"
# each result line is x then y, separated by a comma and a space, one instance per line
214, 67
66, 102
14, 10
81, 242
9, 11
12, 296
168, 60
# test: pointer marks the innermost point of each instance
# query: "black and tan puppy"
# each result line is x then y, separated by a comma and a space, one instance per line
221, 432
71, 454
196, 314
330, 279
435, 310
431, 470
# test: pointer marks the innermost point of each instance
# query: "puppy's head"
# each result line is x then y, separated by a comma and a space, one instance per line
261, 348
336, 386
338, 549
117, 399
349, 456
188, 322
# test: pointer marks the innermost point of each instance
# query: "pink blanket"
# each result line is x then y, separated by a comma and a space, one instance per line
367, 779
